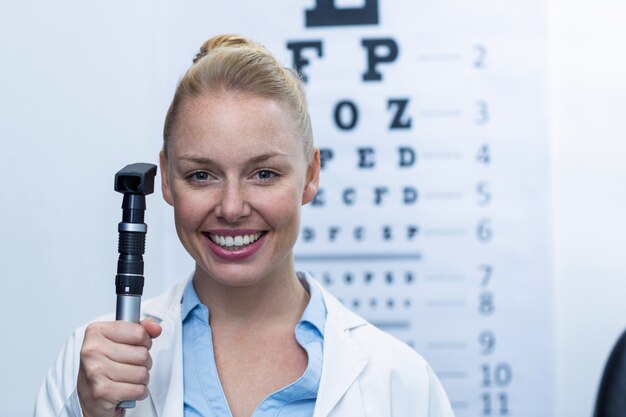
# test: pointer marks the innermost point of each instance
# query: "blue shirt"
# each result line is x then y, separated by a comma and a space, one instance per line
203, 394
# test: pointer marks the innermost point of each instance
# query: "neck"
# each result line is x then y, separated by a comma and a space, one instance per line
277, 300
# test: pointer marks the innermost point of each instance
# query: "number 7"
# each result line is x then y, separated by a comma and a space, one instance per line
487, 273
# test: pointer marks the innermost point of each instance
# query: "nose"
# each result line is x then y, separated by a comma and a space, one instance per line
233, 204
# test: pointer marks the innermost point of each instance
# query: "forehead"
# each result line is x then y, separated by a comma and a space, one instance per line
231, 122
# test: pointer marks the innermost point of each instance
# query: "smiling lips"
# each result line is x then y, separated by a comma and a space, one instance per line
234, 244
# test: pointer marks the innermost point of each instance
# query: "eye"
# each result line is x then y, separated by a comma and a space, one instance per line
199, 176
265, 175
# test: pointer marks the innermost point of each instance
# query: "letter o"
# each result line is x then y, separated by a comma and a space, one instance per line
346, 119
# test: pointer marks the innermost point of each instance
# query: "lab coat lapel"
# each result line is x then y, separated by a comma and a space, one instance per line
166, 381
166, 375
343, 360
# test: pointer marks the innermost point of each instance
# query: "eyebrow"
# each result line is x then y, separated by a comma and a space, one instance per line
208, 161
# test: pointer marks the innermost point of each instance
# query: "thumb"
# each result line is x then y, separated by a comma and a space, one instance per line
153, 328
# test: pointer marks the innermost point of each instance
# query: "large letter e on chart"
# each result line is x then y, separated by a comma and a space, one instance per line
326, 13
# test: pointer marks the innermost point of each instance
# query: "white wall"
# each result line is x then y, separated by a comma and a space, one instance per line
588, 120
77, 102
79, 93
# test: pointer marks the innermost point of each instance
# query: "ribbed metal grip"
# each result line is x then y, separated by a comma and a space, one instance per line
131, 242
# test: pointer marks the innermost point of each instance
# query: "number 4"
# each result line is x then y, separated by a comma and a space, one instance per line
484, 155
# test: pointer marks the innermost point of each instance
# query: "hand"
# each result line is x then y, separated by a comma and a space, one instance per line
114, 365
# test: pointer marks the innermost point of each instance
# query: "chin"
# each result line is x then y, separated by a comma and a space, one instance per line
235, 277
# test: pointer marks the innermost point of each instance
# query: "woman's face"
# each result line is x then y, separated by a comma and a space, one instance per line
237, 176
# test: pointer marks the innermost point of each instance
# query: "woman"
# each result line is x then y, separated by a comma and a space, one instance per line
247, 335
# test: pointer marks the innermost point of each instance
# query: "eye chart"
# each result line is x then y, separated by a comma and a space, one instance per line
432, 216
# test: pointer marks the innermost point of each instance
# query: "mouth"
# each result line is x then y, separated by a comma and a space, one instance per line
234, 241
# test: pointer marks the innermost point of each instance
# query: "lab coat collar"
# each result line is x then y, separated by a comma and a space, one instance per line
343, 359
166, 381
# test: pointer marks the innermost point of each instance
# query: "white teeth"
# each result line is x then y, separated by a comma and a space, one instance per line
235, 241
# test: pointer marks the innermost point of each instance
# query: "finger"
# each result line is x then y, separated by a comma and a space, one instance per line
129, 374
153, 328
105, 372
132, 392
125, 333
98, 392
101, 350
127, 354
113, 393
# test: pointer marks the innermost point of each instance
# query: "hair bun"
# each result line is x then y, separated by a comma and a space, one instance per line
224, 41
232, 63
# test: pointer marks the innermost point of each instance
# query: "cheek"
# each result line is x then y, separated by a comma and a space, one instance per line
283, 207
189, 208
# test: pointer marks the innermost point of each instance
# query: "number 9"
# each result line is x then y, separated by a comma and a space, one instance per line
487, 342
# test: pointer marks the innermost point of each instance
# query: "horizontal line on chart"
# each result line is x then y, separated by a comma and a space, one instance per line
445, 277
358, 257
398, 324
446, 303
441, 113
444, 232
446, 345
440, 57
459, 405
442, 155
443, 196
452, 374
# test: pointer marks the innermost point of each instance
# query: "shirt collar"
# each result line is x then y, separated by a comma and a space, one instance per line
190, 300
314, 313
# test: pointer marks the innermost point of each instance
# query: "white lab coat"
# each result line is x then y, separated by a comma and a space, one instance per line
365, 372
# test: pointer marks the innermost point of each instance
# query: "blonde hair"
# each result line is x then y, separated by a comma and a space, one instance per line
234, 63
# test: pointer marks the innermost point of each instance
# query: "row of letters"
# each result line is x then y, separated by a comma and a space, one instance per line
386, 233
366, 157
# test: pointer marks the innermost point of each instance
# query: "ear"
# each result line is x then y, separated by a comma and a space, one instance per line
312, 178
165, 182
